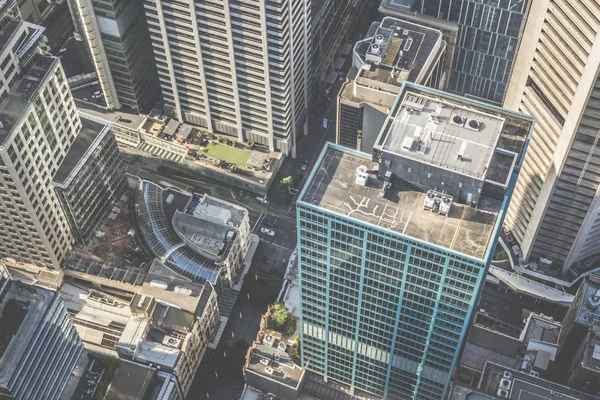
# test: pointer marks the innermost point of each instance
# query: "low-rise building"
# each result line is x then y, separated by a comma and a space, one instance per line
90, 179
395, 51
530, 349
173, 320
202, 238
39, 345
270, 369
134, 381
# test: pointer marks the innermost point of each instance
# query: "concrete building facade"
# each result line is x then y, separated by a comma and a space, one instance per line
555, 213
90, 179
237, 67
394, 247
38, 123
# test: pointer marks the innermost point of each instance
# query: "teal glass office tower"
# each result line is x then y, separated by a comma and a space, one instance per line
394, 246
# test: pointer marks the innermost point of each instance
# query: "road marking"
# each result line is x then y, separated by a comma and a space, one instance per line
260, 218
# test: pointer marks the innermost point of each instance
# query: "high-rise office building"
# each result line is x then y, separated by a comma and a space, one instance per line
237, 67
90, 180
116, 35
38, 123
484, 46
555, 212
394, 247
39, 345
577, 360
394, 51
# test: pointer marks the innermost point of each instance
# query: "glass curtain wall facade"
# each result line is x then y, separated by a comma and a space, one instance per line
487, 40
392, 308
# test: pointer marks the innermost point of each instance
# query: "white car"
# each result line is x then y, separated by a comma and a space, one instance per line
267, 231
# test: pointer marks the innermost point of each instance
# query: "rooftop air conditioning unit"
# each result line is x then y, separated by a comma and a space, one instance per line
458, 120
445, 205
534, 373
379, 39
473, 124
374, 48
159, 284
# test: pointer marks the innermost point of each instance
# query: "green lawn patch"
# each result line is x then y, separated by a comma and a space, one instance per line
228, 153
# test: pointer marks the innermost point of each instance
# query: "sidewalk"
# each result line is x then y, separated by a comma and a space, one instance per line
247, 261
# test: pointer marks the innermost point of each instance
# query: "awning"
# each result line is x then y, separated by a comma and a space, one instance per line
339, 63
533, 288
332, 77
346, 49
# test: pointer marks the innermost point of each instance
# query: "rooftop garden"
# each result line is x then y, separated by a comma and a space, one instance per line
10, 321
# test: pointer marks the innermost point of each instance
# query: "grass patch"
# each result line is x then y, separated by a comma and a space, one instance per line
500, 255
228, 153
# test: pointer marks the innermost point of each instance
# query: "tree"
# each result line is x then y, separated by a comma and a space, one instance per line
279, 315
288, 182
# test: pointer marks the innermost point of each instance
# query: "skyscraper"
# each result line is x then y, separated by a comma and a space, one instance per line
486, 43
394, 247
236, 67
38, 123
39, 345
555, 212
116, 35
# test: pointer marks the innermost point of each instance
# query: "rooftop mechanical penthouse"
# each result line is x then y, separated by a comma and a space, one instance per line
394, 246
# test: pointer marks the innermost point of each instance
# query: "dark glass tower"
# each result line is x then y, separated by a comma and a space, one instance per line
487, 40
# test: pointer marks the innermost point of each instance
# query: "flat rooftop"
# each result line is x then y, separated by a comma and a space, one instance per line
439, 133
332, 186
17, 329
131, 382
455, 134
589, 309
402, 5
399, 46
172, 294
125, 116
90, 130
276, 365
527, 387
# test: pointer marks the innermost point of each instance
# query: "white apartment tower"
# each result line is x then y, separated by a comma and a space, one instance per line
238, 67
38, 123
555, 211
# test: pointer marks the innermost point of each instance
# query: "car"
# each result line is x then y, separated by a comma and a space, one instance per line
268, 223
304, 166
267, 231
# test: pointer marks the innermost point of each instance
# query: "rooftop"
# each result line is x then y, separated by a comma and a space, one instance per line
590, 307
125, 116
275, 364
22, 92
157, 353
154, 217
90, 130
591, 356
332, 185
524, 386
180, 292
455, 134
439, 133
21, 312
399, 50
131, 382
